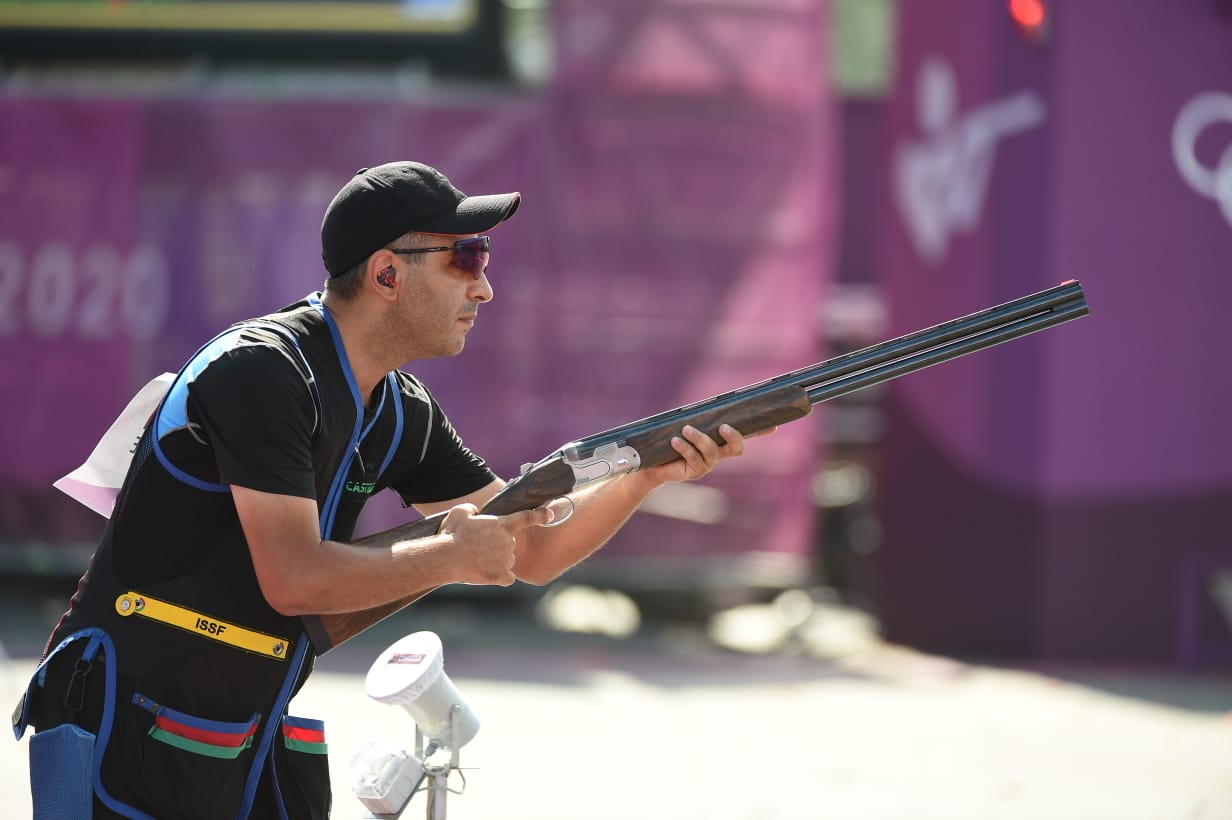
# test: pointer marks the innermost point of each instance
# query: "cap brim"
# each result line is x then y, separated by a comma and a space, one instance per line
475, 214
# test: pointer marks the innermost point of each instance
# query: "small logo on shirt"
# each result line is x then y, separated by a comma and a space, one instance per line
360, 487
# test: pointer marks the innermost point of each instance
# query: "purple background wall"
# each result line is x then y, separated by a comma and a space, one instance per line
1044, 498
668, 249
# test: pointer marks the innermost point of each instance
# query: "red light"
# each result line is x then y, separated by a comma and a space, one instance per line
1031, 17
1027, 13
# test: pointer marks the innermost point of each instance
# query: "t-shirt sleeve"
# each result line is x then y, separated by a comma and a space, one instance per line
447, 469
258, 416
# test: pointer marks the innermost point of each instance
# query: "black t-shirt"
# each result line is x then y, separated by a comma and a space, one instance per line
258, 414
277, 412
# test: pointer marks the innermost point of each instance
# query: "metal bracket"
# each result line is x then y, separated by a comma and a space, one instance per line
604, 462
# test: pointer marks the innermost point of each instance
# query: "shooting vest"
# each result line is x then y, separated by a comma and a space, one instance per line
193, 671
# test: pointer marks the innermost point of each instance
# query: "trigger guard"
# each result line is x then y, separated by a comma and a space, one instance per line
554, 506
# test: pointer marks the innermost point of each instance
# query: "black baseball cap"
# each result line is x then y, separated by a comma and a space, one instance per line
380, 204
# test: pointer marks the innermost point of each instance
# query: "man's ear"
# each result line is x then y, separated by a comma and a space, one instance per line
382, 273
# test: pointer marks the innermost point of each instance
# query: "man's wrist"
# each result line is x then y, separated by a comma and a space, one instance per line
641, 483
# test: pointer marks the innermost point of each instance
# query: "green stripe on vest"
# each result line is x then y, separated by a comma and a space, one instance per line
197, 747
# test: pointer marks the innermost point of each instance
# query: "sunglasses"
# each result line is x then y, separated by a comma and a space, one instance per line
470, 254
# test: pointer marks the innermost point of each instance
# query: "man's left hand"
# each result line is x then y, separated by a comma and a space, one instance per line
699, 454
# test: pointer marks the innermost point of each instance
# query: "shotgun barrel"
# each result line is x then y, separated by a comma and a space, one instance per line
889, 359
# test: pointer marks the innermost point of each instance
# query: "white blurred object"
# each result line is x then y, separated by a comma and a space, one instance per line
384, 778
577, 608
97, 482
688, 502
1221, 591
411, 674
796, 620
761, 628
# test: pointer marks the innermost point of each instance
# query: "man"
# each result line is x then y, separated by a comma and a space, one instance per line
164, 688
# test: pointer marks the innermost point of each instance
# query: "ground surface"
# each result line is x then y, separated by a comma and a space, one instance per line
826, 724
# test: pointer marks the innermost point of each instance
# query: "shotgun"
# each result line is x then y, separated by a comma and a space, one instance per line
751, 409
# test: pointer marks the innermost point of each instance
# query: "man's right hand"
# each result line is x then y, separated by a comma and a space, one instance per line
485, 545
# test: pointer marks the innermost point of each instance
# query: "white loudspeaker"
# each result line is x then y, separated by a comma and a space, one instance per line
411, 674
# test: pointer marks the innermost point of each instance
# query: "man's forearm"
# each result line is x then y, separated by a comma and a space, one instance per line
384, 568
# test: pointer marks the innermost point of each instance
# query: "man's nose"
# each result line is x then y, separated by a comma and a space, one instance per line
481, 291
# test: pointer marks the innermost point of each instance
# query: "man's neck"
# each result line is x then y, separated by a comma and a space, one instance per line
357, 345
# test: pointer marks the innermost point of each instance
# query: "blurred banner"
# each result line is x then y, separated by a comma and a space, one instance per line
672, 245
1052, 497
372, 16
447, 37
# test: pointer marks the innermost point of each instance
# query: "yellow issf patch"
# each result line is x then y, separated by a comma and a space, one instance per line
135, 603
